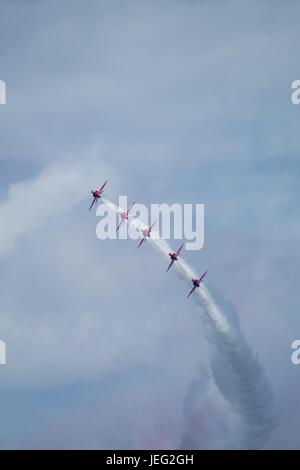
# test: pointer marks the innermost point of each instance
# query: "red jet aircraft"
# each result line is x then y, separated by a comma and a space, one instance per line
197, 282
97, 193
124, 215
174, 256
146, 233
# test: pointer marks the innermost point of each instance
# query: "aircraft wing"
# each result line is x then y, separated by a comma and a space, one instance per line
171, 264
191, 291
94, 200
142, 240
203, 276
102, 187
177, 253
130, 207
119, 225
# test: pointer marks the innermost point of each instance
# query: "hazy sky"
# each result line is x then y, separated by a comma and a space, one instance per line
174, 101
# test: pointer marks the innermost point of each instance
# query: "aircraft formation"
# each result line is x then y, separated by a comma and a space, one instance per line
124, 215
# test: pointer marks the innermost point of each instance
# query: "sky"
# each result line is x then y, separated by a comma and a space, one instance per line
174, 101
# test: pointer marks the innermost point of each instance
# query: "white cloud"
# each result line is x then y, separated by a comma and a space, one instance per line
58, 188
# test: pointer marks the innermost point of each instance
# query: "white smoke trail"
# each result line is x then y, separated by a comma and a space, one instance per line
237, 374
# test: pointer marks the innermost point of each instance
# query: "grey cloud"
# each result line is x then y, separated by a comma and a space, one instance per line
171, 101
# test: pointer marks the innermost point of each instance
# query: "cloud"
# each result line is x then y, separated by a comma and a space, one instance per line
185, 101
33, 203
